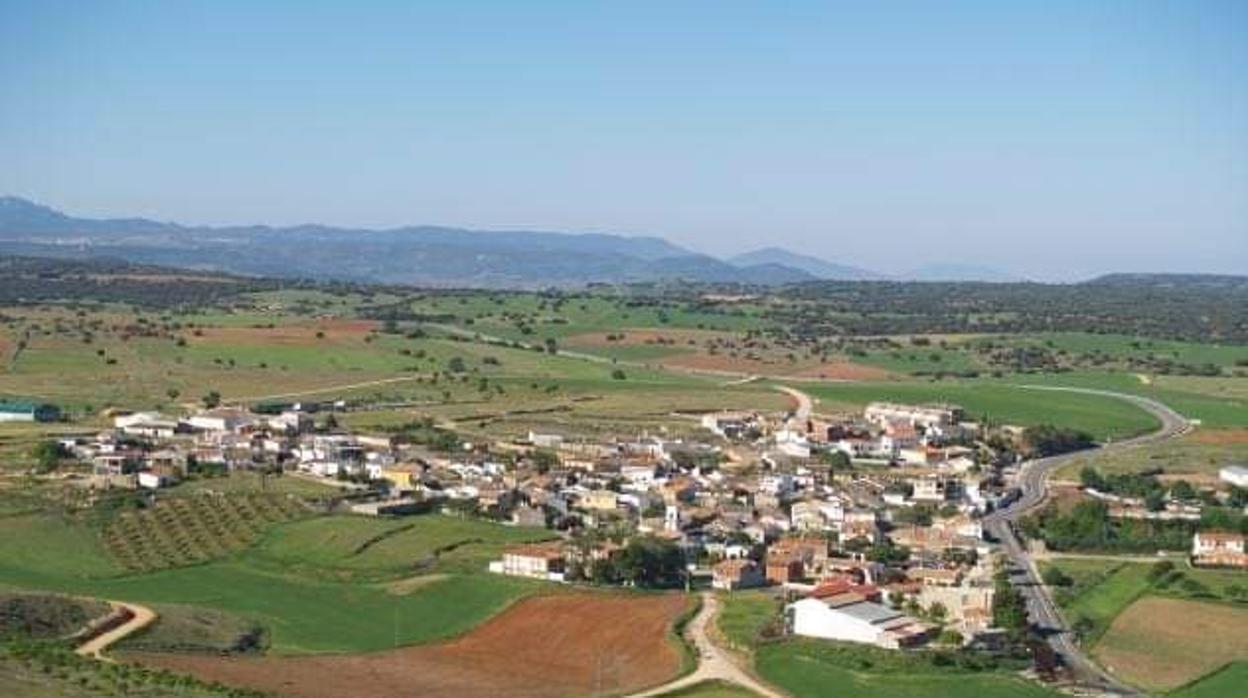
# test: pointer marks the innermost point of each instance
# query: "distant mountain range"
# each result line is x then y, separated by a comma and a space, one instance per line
420, 255
818, 268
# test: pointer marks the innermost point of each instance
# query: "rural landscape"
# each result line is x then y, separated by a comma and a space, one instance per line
258, 486
553, 349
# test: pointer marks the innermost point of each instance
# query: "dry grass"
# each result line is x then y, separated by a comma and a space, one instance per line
1161, 644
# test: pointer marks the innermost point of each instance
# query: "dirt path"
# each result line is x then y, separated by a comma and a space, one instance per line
714, 662
805, 405
137, 617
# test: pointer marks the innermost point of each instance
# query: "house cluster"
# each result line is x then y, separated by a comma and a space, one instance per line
918, 435
154, 450
882, 558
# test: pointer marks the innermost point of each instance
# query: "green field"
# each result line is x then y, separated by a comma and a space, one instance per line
359, 548
712, 689
1102, 589
302, 614
811, 669
1193, 398
1230, 682
1103, 417
743, 615
1191, 455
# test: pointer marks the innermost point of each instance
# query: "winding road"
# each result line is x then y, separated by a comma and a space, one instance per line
1033, 484
714, 662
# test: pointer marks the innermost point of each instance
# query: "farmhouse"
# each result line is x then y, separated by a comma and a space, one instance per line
926, 416
25, 411
1219, 549
536, 561
1236, 475
850, 618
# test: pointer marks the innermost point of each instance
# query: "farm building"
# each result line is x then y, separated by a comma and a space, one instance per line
536, 561
28, 411
1236, 475
1219, 549
850, 618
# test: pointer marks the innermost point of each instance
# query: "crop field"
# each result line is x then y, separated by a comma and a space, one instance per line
301, 613
351, 547
1103, 417
1161, 644
1213, 409
1101, 589
1197, 457
181, 531
808, 669
549, 646
1228, 682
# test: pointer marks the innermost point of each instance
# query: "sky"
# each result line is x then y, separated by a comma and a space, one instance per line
1053, 140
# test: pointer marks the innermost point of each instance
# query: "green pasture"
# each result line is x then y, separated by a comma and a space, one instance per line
1102, 416
813, 669
304, 613
1229, 682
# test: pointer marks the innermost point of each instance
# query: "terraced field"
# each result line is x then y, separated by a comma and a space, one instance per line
181, 531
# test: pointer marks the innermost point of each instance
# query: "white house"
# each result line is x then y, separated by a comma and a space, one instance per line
1236, 475
849, 618
536, 561
881, 413
1219, 548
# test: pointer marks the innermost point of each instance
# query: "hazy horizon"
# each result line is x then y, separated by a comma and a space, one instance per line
1053, 142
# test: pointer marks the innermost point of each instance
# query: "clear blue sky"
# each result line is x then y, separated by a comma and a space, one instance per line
1053, 139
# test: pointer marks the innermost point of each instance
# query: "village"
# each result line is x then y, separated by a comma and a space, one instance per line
867, 525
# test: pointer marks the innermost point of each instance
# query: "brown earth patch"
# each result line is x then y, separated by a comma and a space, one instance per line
745, 365
287, 335
643, 336
1160, 643
544, 647
1220, 437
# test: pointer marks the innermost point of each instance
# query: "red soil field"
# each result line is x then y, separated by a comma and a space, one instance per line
288, 335
1220, 437
545, 647
837, 370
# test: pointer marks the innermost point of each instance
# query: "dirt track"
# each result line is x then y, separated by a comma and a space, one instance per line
545, 647
135, 619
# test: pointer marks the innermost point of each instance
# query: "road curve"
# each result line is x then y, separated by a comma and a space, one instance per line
714, 663
137, 617
805, 405
1033, 484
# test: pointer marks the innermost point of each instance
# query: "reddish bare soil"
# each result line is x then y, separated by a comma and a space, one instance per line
1220, 437
838, 370
545, 647
288, 335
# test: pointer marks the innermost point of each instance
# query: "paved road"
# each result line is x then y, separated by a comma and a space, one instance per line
139, 617
1033, 480
714, 662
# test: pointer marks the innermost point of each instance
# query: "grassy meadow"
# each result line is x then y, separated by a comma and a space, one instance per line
303, 612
